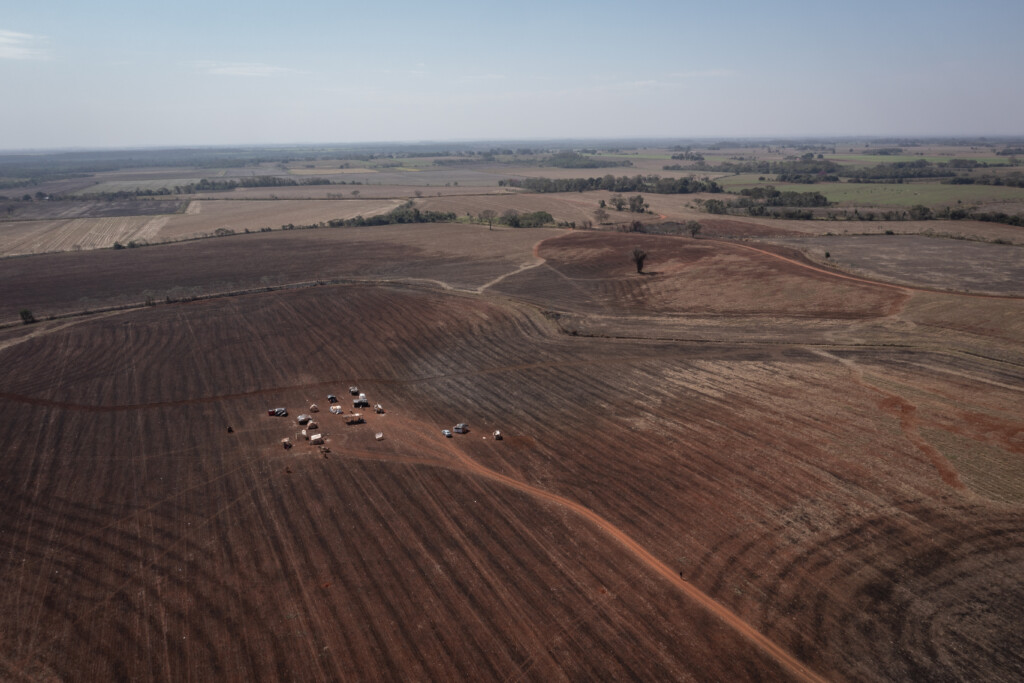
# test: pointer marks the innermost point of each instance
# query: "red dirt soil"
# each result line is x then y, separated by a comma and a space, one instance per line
657, 510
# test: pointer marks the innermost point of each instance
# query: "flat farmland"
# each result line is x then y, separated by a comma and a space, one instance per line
55, 209
204, 216
439, 255
367, 189
738, 466
132, 183
928, 262
931, 194
37, 237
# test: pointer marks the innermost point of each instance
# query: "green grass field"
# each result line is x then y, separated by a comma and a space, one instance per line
874, 160
132, 185
608, 155
876, 194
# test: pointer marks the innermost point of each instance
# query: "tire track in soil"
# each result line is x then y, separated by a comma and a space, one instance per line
464, 463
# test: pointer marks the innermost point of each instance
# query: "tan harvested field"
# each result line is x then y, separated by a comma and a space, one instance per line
922, 261
36, 237
206, 215
739, 466
366, 191
201, 217
327, 170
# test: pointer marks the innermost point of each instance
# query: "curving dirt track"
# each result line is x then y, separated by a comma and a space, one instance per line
658, 509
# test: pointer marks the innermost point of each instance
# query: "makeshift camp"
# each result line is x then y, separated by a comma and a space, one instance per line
378, 409
286, 442
354, 390
337, 410
314, 408
312, 425
303, 419
277, 412
497, 435
331, 398
316, 439
353, 419
379, 436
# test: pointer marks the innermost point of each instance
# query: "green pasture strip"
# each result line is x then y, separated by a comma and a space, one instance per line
606, 155
735, 183
132, 185
874, 160
886, 194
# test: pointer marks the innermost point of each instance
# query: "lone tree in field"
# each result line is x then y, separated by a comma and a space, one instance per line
637, 204
638, 258
601, 215
489, 215
693, 227
27, 317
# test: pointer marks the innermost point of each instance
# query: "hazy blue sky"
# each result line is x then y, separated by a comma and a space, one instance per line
124, 73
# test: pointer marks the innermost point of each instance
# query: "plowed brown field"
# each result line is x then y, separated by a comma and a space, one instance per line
789, 505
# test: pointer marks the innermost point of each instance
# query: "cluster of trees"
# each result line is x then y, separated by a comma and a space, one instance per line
769, 196
515, 219
635, 203
652, 183
571, 159
406, 213
532, 219
689, 156
717, 206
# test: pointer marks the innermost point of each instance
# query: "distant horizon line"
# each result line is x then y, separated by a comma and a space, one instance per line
1001, 137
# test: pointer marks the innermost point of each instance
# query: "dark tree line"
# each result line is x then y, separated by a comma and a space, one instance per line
207, 185
652, 183
1008, 180
808, 167
920, 168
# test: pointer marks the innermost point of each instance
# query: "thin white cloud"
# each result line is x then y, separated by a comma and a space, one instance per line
480, 78
705, 73
14, 45
245, 69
